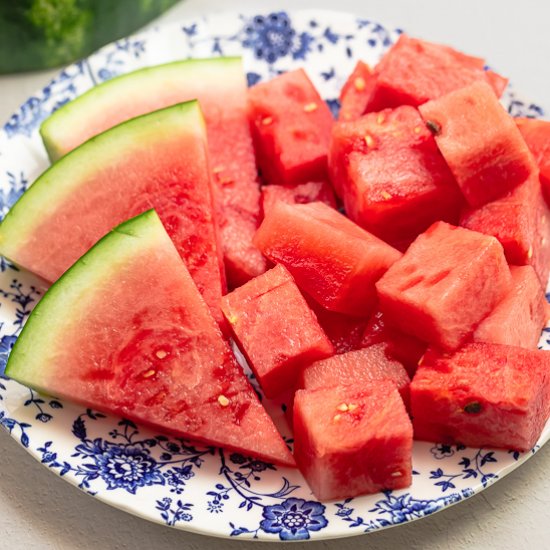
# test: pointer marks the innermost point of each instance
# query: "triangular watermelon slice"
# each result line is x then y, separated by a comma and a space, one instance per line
156, 161
125, 330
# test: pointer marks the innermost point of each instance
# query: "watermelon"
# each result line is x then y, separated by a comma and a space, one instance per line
497, 81
364, 366
158, 160
484, 395
480, 142
449, 279
521, 222
303, 193
125, 331
332, 259
344, 331
229, 140
400, 346
414, 71
536, 133
519, 318
356, 92
391, 176
291, 129
275, 329
350, 441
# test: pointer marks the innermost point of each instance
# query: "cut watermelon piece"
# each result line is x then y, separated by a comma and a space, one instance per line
401, 346
415, 71
497, 81
485, 395
229, 139
291, 128
351, 441
356, 92
158, 160
364, 366
519, 318
480, 142
345, 332
303, 193
521, 222
332, 259
391, 176
537, 135
275, 329
444, 285
125, 331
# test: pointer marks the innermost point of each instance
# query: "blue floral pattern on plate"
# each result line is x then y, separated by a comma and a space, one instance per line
170, 480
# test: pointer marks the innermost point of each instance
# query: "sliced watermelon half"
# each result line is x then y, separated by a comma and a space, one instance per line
156, 161
125, 331
220, 86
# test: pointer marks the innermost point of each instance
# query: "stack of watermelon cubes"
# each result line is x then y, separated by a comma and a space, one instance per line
384, 273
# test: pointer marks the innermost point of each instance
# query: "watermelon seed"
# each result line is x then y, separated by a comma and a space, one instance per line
473, 408
433, 127
217, 169
161, 354
359, 84
530, 252
369, 140
380, 118
396, 474
223, 401
352, 407
149, 373
267, 120
310, 107
417, 129
386, 196
336, 417
342, 407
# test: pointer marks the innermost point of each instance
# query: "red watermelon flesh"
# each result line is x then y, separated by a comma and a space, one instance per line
399, 345
393, 180
497, 81
126, 331
303, 193
537, 135
364, 366
275, 329
291, 129
332, 259
158, 160
351, 441
484, 395
356, 92
519, 318
447, 281
415, 71
344, 331
521, 222
480, 142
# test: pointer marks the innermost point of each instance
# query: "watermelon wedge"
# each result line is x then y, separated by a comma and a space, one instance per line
229, 140
356, 92
124, 330
158, 160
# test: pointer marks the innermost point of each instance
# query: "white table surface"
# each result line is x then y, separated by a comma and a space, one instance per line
39, 510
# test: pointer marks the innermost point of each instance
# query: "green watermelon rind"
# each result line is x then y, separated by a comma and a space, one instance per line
149, 80
67, 174
29, 357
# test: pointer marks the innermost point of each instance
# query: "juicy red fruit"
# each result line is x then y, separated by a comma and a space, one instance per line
356, 92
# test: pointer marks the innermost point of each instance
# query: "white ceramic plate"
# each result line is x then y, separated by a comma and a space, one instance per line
170, 481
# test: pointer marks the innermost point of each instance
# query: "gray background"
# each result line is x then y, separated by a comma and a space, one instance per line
39, 510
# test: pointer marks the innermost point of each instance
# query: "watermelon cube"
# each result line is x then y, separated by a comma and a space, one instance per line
364, 366
332, 259
302, 193
356, 92
536, 133
391, 176
415, 71
484, 395
480, 142
449, 279
344, 331
275, 329
291, 129
351, 441
403, 347
519, 318
521, 222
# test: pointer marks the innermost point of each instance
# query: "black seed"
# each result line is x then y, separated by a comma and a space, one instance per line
473, 408
433, 127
